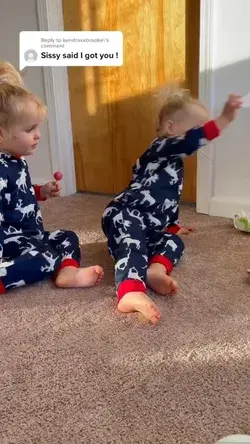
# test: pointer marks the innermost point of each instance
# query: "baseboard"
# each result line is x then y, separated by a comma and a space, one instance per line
223, 206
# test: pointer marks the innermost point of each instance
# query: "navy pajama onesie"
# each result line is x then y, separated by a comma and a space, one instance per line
141, 222
28, 254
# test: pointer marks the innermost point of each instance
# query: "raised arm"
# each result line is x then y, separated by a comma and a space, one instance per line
196, 138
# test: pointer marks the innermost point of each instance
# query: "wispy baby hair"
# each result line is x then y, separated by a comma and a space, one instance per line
175, 99
9, 74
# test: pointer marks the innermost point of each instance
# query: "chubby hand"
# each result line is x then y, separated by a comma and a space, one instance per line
51, 189
185, 230
231, 107
229, 112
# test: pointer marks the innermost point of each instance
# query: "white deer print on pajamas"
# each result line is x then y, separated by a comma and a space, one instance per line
173, 173
3, 184
17, 284
172, 244
4, 266
147, 198
16, 239
29, 248
3, 162
7, 197
12, 231
129, 241
66, 243
68, 255
123, 263
146, 260
54, 235
151, 167
51, 260
153, 220
108, 211
118, 219
21, 181
28, 210
180, 188
136, 214
150, 180
135, 186
39, 217
39, 235
133, 274
13, 235
160, 145
167, 204
121, 236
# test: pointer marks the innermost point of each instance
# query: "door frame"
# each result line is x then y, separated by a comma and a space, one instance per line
50, 17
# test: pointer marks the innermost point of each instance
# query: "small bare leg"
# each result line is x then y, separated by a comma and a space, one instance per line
139, 301
79, 277
159, 281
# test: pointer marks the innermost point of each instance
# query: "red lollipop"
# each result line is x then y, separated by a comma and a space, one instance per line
58, 175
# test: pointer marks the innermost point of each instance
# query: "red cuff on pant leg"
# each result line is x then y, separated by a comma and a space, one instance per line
130, 285
173, 229
2, 288
69, 263
66, 263
159, 259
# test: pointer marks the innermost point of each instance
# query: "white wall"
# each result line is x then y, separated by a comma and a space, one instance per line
230, 60
16, 16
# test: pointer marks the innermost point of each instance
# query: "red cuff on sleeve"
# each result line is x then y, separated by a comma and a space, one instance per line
37, 189
173, 229
211, 130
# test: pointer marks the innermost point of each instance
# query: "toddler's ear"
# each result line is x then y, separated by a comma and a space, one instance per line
168, 127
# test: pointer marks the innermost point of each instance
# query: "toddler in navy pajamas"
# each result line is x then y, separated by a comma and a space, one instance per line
142, 222
28, 253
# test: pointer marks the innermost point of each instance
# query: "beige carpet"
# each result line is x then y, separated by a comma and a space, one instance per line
74, 371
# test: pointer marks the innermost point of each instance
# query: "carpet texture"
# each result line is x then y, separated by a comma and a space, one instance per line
74, 371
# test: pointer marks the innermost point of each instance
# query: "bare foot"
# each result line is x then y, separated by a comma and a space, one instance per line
159, 281
79, 277
138, 301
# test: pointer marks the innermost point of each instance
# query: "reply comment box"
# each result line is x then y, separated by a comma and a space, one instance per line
70, 48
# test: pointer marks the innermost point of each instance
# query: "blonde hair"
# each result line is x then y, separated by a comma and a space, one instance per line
16, 102
176, 99
9, 74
